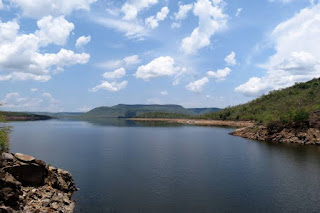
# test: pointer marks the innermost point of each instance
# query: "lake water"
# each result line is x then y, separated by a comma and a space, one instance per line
125, 167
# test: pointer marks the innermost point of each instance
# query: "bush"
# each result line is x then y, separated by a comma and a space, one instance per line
300, 116
4, 140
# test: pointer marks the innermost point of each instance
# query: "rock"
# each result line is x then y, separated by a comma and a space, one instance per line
5, 209
10, 190
282, 134
7, 156
30, 185
24, 158
29, 174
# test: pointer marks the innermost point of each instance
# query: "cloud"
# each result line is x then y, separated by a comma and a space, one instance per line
220, 74
131, 29
34, 90
297, 58
37, 102
153, 21
110, 86
22, 57
1, 5
239, 10
164, 93
231, 59
119, 73
82, 41
197, 86
282, 1
125, 62
41, 8
211, 20
53, 30
20, 76
125, 19
181, 14
131, 8
8, 31
158, 67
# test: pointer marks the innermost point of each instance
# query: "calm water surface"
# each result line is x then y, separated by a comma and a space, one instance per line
132, 168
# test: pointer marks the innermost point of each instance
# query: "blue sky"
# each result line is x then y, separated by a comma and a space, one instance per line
58, 55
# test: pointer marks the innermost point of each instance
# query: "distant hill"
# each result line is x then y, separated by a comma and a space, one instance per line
130, 111
290, 105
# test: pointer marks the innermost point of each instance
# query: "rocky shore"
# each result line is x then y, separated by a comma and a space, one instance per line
30, 185
307, 133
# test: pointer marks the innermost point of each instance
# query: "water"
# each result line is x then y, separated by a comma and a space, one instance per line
125, 167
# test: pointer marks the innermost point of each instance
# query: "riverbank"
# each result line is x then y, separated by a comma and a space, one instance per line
22, 116
30, 185
199, 122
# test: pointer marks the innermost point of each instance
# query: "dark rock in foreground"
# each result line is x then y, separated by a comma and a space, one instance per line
307, 133
30, 185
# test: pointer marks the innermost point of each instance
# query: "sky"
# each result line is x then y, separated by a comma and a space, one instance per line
75, 55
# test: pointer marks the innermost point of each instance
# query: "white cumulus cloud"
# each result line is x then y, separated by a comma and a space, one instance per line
197, 86
82, 41
110, 86
231, 59
181, 14
220, 74
125, 62
118, 73
153, 21
297, 58
212, 19
132, 7
158, 67
22, 56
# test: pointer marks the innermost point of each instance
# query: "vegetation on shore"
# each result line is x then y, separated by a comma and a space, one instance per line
290, 105
17, 116
4, 138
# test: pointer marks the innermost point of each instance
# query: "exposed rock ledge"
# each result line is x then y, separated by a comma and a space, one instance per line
307, 133
286, 135
31, 185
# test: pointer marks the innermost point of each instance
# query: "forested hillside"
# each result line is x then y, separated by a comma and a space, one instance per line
292, 104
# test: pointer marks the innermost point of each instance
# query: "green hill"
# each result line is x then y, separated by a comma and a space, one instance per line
130, 111
288, 105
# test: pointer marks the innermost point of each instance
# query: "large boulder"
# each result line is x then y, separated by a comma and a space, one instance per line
30, 185
28, 174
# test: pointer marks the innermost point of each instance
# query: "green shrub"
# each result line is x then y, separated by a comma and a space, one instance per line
300, 115
4, 140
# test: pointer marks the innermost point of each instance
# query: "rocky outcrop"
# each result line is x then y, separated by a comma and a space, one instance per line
30, 185
307, 133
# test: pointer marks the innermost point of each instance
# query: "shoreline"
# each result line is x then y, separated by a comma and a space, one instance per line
199, 122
